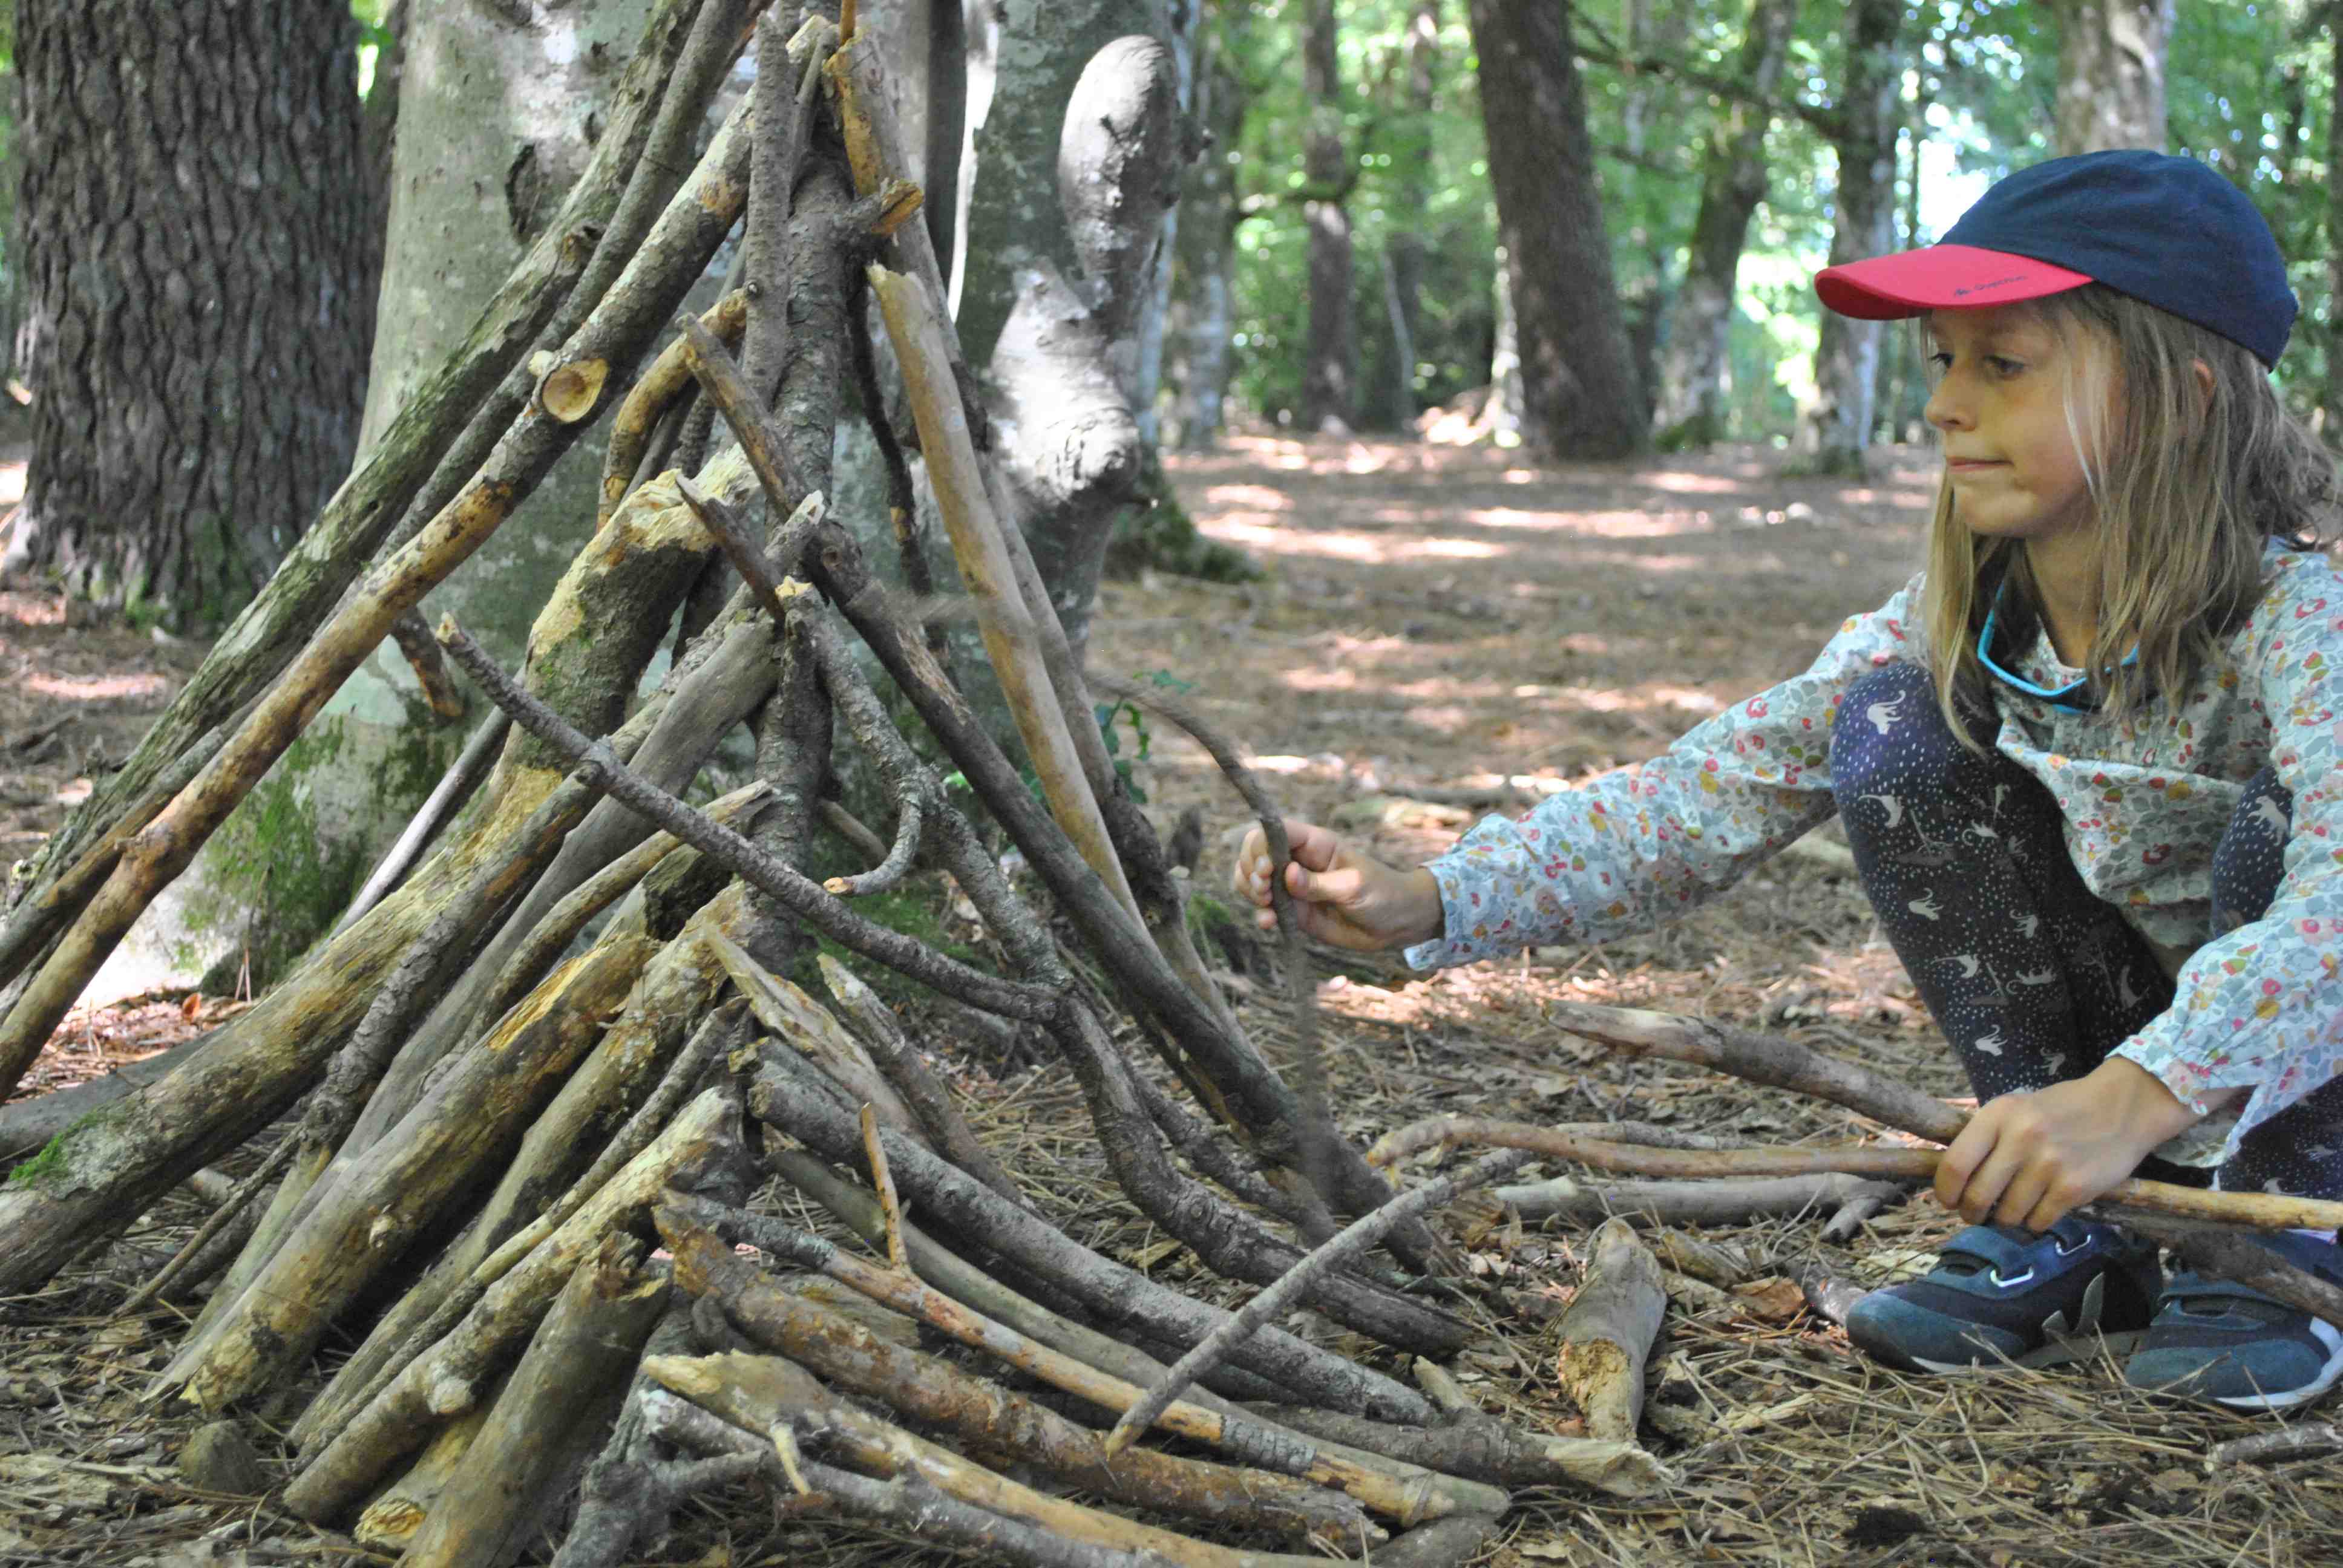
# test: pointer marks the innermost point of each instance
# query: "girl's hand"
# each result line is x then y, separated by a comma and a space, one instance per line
1339, 896
2027, 1159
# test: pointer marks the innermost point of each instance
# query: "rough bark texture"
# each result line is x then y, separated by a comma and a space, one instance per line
2111, 73
1405, 252
1579, 392
1330, 363
1733, 177
1835, 431
194, 246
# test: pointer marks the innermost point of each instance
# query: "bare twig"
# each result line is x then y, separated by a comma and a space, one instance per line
1301, 982
2292, 1443
887, 874
448, 798
440, 692
882, 1182
1715, 1201
1361, 1232
1486, 1450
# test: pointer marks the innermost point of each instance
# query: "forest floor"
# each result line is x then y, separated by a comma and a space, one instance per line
1443, 630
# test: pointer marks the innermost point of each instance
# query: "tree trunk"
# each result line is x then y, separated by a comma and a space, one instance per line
1063, 365
1580, 395
1837, 429
2111, 57
1330, 349
1202, 315
192, 336
1403, 257
1048, 295
1733, 178
1024, 59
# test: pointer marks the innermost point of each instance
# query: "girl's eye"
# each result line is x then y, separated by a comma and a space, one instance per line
1940, 361
2001, 366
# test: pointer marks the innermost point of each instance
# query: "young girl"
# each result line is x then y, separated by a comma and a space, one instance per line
2087, 761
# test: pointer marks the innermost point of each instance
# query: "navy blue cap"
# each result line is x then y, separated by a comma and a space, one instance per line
2166, 230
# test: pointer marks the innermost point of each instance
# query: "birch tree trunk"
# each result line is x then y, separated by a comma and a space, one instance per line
2111, 57
1692, 380
1837, 430
195, 245
1202, 314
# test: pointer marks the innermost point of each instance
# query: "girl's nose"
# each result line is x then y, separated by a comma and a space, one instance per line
1946, 410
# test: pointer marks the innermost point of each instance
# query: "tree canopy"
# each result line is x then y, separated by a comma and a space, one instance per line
2250, 88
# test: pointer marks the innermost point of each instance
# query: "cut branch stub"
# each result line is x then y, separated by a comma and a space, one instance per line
571, 392
1607, 1333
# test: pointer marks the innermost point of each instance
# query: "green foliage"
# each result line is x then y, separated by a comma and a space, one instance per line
2249, 85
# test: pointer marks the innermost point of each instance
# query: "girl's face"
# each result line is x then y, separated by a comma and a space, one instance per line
2006, 381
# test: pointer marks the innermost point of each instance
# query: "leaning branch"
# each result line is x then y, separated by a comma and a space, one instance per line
1361, 1233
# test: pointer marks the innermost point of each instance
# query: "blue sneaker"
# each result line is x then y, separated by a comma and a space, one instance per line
2219, 1341
2003, 1296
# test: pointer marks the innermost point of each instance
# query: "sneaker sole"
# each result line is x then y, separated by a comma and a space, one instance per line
2057, 1352
2325, 1379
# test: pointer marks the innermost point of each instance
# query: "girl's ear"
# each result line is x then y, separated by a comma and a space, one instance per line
2203, 373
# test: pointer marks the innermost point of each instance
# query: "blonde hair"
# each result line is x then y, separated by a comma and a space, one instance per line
2188, 485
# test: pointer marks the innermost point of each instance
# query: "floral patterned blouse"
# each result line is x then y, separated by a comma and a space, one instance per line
2259, 1006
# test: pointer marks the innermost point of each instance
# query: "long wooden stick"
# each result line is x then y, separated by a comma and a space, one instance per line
1762, 1059
985, 571
2247, 1210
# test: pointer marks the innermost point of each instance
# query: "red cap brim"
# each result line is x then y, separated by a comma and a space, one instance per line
1939, 277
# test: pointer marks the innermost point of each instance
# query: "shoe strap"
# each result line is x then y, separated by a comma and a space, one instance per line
2013, 1251
2193, 1287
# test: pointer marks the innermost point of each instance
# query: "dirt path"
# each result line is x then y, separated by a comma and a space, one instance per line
1446, 616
